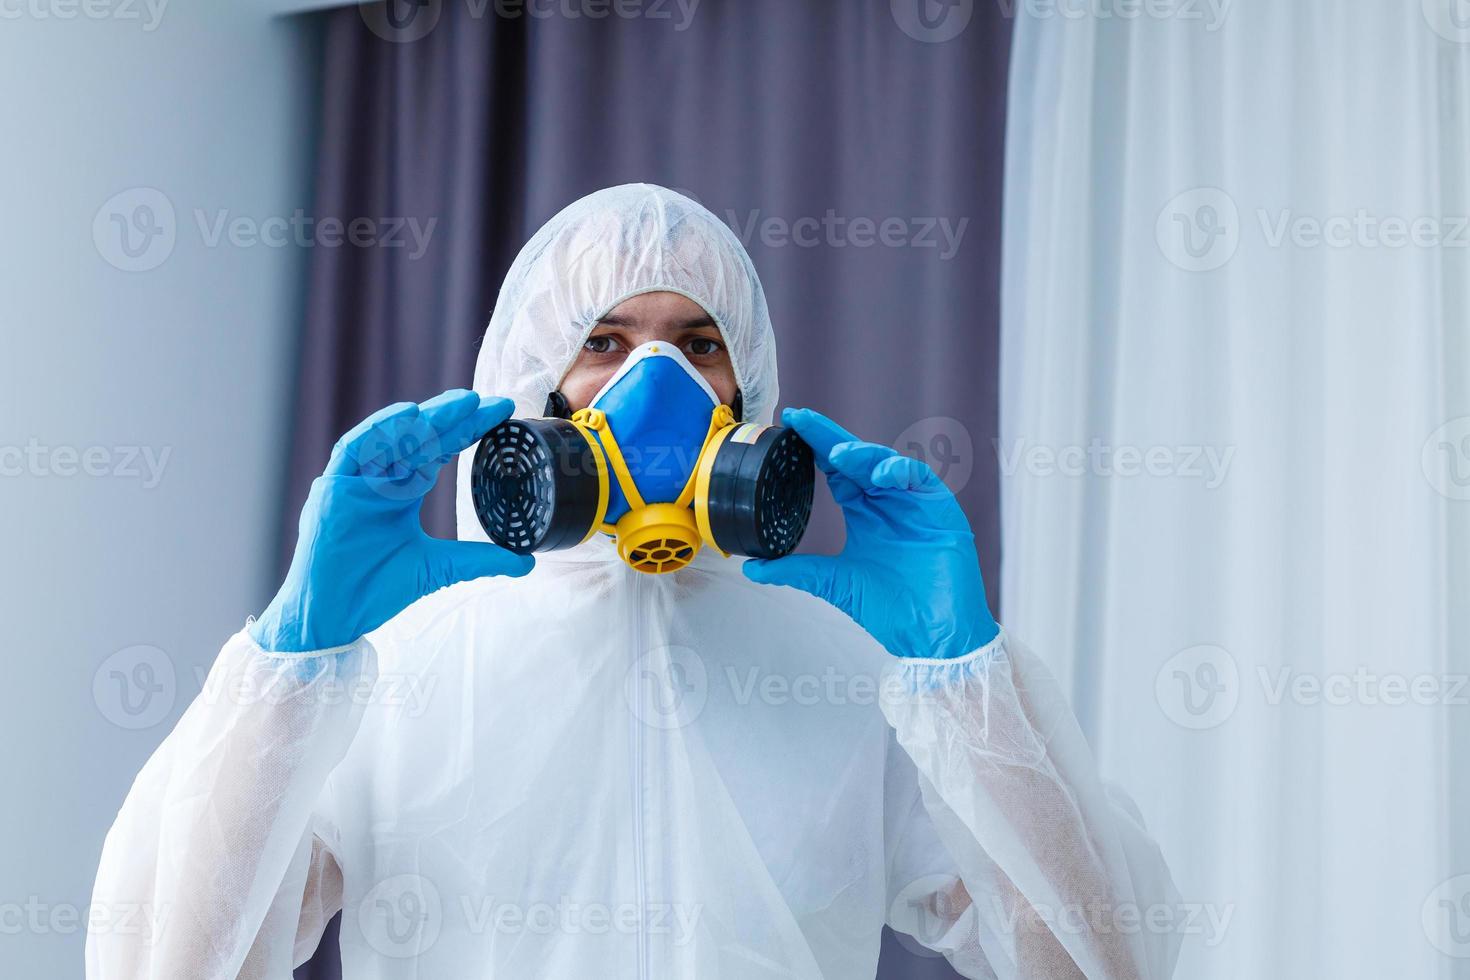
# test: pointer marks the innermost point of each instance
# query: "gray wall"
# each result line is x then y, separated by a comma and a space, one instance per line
211, 105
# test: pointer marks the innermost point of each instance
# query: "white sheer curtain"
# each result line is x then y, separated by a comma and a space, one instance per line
1236, 428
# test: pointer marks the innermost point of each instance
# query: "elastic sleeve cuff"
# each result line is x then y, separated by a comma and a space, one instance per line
980, 653
919, 679
245, 637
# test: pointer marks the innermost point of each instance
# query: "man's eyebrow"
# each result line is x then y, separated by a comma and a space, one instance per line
693, 323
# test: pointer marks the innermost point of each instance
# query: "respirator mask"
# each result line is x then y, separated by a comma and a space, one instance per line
656, 461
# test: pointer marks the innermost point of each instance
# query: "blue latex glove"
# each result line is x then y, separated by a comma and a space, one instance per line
908, 573
362, 555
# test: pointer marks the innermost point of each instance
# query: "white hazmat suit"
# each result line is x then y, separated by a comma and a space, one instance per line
591, 772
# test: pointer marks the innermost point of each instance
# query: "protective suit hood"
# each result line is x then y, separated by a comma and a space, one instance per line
597, 252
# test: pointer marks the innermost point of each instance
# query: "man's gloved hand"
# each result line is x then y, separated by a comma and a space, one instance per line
362, 555
908, 573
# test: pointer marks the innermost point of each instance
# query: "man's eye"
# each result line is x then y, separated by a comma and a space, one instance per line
599, 345
704, 346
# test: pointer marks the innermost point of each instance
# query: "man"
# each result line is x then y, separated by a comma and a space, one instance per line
564, 767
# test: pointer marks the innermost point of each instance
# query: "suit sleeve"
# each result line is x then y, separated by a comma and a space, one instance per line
212, 848
1008, 853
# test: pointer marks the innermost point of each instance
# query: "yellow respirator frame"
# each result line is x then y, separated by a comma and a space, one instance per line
661, 537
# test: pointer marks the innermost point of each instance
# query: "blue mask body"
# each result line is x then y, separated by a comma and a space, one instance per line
658, 407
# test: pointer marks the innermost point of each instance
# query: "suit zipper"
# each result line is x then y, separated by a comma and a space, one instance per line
637, 735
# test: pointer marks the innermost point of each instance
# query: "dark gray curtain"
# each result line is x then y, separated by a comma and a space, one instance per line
861, 165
